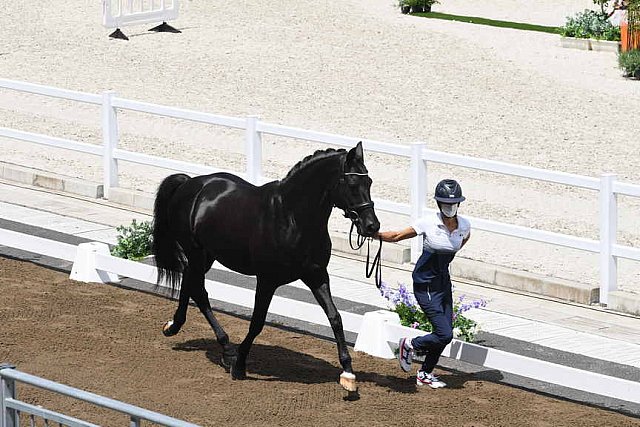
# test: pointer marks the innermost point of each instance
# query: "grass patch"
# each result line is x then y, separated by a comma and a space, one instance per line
491, 22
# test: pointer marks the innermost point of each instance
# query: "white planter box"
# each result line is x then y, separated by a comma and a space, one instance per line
605, 46
590, 44
575, 43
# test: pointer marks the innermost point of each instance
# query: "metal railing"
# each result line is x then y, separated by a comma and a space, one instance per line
419, 155
11, 407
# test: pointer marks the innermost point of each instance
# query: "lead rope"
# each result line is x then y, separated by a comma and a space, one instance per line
377, 260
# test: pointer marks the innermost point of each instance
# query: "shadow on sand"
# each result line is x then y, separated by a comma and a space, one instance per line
275, 363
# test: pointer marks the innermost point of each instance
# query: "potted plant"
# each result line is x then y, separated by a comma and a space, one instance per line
133, 241
405, 7
590, 30
403, 302
416, 6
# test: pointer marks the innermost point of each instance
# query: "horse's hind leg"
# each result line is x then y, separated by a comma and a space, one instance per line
172, 327
201, 298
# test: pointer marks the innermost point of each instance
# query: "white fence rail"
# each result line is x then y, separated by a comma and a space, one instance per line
606, 185
368, 327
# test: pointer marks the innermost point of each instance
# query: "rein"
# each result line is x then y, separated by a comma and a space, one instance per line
353, 213
377, 260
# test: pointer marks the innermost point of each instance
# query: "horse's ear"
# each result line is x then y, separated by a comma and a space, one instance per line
355, 153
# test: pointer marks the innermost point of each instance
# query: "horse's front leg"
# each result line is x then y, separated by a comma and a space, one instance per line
318, 282
263, 297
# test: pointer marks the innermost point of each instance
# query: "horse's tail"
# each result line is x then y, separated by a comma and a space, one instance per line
169, 257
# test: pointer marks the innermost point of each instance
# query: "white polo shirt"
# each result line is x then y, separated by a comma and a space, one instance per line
436, 236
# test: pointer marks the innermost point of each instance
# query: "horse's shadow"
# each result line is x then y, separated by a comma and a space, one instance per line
456, 379
275, 363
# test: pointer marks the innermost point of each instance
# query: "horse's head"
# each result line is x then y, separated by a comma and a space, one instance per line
352, 194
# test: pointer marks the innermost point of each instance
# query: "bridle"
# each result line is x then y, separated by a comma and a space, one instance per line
353, 213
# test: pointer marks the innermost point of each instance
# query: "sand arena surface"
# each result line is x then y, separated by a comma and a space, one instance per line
108, 341
354, 68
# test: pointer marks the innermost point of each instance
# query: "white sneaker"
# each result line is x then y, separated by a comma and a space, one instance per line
405, 354
424, 378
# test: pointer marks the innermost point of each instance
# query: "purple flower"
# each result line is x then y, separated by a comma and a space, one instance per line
415, 325
385, 290
479, 303
465, 307
404, 296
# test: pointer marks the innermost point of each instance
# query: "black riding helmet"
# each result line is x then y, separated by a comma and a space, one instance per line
449, 191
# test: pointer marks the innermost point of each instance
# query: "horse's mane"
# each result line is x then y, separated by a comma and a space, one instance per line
312, 158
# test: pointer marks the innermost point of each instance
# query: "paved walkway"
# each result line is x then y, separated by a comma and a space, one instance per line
588, 331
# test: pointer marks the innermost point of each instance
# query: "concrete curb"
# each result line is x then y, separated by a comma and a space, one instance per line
132, 198
524, 281
624, 302
51, 181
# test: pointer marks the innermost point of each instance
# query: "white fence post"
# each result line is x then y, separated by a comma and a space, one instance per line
371, 337
8, 416
109, 142
253, 149
608, 230
84, 265
418, 187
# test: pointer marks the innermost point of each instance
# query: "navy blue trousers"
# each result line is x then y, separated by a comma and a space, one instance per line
436, 301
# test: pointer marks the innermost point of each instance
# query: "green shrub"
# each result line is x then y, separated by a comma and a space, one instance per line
134, 241
629, 62
590, 24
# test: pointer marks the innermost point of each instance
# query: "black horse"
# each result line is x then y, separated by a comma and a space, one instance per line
277, 232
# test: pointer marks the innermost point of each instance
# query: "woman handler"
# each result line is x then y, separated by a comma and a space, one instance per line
444, 234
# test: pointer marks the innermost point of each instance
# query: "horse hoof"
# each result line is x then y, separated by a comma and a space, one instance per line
348, 382
352, 396
168, 329
238, 374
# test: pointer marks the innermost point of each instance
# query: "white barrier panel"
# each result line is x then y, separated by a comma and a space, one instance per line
292, 309
37, 245
84, 266
118, 13
127, 268
528, 367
